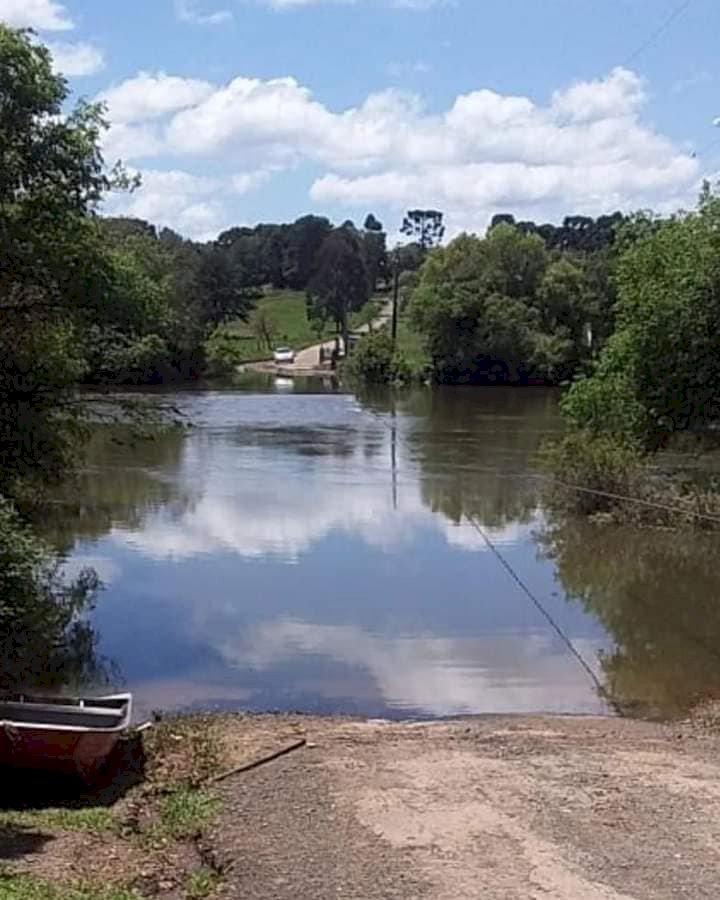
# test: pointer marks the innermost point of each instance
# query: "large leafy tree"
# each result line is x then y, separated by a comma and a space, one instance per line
340, 283
660, 371
305, 237
53, 272
500, 307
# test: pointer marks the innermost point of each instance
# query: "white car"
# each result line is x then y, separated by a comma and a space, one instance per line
284, 355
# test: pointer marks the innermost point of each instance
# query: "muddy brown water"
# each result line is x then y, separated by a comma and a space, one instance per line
302, 548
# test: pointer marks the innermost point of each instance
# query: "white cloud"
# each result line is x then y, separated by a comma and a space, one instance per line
149, 96
588, 101
131, 142
587, 151
441, 676
192, 204
190, 11
77, 59
45, 15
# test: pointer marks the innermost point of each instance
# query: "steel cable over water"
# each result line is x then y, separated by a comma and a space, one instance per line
537, 603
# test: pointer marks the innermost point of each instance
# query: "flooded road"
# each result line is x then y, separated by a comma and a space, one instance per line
304, 549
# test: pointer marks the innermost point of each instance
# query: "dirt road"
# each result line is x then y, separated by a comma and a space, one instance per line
562, 808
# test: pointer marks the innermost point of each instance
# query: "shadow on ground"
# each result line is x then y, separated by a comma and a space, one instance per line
29, 789
17, 841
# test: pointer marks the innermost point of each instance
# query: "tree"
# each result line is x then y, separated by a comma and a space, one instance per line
263, 327
660, 371
222, 293
375, 251
577, 233
304, 240
408, 257
498, 308
340, 282
426, 226
376, 361
54, 274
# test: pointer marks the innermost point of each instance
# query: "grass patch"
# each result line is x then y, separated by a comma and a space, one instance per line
184, 814
91, 819
27, 887
202, 883
287, 313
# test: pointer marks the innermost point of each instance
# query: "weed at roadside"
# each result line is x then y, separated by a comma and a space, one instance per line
27, 887
182, 815
202, 883
93, 820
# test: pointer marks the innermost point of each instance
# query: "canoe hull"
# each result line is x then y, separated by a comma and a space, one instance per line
64, 739
71, 752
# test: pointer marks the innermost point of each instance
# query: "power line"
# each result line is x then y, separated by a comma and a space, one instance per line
662, 28
536, 603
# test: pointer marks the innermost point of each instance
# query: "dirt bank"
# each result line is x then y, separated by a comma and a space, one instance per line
495, 808
501, 807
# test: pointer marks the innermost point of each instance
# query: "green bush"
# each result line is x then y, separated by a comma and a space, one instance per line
594, 463
224, 351
375, 361
602, 474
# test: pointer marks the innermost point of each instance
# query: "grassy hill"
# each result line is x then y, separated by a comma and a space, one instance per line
286, 311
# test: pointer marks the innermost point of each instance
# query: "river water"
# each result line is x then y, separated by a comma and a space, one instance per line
299, 548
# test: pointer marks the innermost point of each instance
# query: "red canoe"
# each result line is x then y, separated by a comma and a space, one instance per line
63, 733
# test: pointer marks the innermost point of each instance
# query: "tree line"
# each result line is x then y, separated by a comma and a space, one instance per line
166, 295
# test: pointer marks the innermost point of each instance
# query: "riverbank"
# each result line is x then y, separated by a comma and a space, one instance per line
531, 806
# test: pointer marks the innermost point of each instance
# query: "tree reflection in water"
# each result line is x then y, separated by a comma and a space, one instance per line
46, 641
658, 595
474, 448
46, 638
122, 481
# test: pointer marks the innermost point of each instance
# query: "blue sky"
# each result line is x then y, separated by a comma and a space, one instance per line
238, 111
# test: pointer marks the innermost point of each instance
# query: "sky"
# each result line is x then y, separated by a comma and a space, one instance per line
241, 111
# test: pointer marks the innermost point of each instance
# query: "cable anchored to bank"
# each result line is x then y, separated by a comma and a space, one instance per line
537, 603
610, 495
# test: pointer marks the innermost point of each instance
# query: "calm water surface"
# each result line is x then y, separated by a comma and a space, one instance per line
303, 549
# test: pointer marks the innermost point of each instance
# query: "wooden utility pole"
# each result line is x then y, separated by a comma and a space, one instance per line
396, 292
